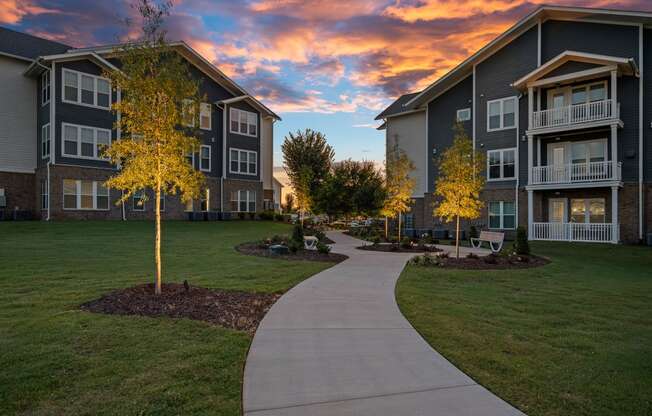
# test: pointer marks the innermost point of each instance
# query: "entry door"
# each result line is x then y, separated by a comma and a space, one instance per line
557, 216
558, 163
557, 99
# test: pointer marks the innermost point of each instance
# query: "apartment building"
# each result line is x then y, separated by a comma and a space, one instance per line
561, 104
56, 115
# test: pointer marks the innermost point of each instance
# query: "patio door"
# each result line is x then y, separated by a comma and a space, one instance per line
559, 99
558, 162
557, 216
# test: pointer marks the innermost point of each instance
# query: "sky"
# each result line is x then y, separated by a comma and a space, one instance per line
328, 65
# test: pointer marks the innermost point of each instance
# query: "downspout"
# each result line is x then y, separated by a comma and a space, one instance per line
52, 132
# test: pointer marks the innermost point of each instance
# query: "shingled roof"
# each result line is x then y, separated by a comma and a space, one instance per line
27, 46
397, 106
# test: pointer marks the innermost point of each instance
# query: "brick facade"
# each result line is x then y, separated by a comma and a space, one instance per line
19, 191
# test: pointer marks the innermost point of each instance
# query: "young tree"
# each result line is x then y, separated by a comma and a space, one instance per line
153, 82
307, 158
460, 182
289, 202
399, 185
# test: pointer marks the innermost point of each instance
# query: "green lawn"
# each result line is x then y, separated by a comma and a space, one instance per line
570, 338
57, 360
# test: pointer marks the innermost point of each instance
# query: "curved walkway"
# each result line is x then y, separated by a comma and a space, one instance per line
337, 344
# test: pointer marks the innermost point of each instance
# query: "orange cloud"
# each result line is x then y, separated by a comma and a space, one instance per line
13, 11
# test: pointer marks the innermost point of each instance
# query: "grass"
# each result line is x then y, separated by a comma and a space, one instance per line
570, 338
59, 360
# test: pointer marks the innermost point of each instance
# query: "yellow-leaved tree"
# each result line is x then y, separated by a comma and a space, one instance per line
459, 182
398, 184
158, 99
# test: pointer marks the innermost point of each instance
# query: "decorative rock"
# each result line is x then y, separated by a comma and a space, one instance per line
278, 249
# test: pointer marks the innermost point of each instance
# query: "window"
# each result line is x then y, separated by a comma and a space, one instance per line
464, 114
502, 215
85, 142
44, 194
205, 116
85, 195
45, 87
589, 151
45, 141
243, 201
205, 158
501, 114
501, 164
591, 210
188, 112
204, 200
244, 122
189, 206
86, 89
190, 157
138, 200
243, 162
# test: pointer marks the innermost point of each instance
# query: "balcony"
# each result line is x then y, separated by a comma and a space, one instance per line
575, 232
574, 115
577, 173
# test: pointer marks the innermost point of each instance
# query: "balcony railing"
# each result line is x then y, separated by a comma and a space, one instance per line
574, 231
577, 172
573, 114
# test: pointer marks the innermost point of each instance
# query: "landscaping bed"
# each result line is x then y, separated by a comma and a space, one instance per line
473, 262
262, 250
396, 248
242, 311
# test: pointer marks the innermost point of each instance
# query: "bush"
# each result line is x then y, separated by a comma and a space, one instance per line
279, 239
252, 215
297, 233
323, 248
375, 240
473, 232
321, 236
294, 246
472, 256
521, 246
491, 259
406, 242
443, 255
267, 215
241, 215
278, 217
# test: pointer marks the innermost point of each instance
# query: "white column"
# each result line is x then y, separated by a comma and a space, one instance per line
614, 150
530, 158
614, 93
530, 212
538, 147
530, 106
614, 214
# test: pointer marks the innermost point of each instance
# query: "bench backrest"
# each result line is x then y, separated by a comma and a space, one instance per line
492, 236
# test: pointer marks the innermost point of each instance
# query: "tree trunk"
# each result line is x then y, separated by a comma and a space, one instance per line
386, 228
157, 289
457, 238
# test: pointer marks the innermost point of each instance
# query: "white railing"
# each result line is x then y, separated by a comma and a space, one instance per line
577, 172
573, 114
575, 231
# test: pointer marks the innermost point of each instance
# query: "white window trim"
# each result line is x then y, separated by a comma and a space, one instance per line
501, 215
208, 106
462, 110
502, 165
46, 128
45, 194
78, 197
210, 161
238, 172
568, 92
502, 113
238, 111
45, 87
136, 207
247, 194
79, 155
568, 149
79, 89
587, 209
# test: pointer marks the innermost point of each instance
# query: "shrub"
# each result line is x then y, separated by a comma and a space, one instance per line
375, 240
472, 256
491, 259
279, 239
406, 242
297, 233
252, 215
241, 215
278, 217
267, 215
473, 232
522, 246
443, 254
294, 246
393, 247
323, 248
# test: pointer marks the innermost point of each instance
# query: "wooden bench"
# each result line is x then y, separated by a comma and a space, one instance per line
494, 239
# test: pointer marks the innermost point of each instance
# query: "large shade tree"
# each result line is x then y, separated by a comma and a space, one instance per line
154, 83
399, 185
459, 182
307, 158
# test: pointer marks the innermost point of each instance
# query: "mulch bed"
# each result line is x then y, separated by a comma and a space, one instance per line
255, 249
491, 262
389, 248
236, 310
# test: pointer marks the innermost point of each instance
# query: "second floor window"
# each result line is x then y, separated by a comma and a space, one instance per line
45, 141
45, 87
243, 122
243, 162
501, 164
84, 142
205, 116
205, 158
501, 114
85, 89
188, 112
464, 114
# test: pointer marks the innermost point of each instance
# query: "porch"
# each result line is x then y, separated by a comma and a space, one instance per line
577, 232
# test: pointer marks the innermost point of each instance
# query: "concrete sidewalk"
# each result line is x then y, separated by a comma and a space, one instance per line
337, 344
